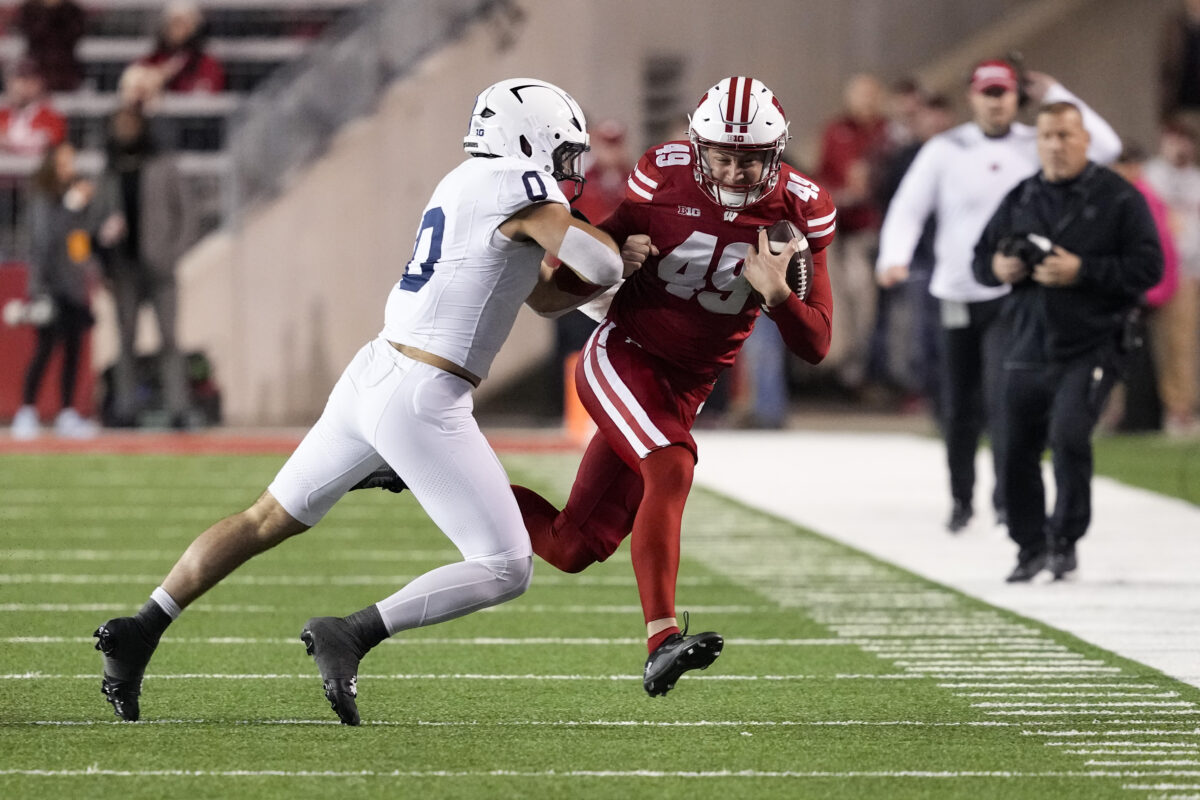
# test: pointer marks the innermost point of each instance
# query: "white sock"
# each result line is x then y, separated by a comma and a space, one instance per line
166, 602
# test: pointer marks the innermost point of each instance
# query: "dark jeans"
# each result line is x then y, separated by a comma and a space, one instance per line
133, 285
974, 338
1057, 406
69, 325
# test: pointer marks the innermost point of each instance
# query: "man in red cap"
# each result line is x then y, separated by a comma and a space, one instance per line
961, 176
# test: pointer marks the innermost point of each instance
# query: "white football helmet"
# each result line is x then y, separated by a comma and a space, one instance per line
738, 114
530, 119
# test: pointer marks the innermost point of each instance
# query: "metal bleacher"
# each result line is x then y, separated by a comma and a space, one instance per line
253, 39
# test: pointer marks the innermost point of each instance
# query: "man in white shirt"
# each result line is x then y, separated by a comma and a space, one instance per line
961, 176
405, 400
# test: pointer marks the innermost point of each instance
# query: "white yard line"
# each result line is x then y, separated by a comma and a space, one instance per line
1138, 587
400, 641
651, 774
432, 676
550, 723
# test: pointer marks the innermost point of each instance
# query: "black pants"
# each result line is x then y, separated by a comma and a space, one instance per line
70, 323
132, 285
974, 338
1057, 406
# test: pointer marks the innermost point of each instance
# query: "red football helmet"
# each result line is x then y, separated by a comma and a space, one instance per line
742, 115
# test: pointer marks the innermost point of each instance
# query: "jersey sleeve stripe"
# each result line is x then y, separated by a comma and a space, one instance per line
822, 220
633, 187
823, 232
641, 176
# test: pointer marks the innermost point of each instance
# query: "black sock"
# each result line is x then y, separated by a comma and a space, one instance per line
153, 620
368, 626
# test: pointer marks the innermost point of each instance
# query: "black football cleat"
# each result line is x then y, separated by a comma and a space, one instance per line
127, 650
383, 478
960, 516
1029, 564
676, 655
337, 652
1063, 560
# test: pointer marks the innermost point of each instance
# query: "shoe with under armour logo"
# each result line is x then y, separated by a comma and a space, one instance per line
676, 655
127, 650
337, 651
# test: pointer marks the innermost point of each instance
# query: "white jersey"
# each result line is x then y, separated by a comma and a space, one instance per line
961, 176
461, 291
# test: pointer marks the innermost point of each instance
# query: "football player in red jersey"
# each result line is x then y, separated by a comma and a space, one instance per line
692, 220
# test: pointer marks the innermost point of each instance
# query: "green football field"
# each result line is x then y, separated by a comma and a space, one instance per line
842, 677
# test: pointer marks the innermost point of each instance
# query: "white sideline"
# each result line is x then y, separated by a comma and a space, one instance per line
1137, 591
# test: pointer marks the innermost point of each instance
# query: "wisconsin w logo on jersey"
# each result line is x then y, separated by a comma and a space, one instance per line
730, 216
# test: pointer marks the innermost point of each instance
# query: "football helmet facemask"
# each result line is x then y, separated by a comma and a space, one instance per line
738, 114
530, 119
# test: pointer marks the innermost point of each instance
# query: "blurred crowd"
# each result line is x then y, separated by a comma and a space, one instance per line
887, 351
124, 228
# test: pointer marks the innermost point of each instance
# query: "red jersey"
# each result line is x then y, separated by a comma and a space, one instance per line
197, 72
690, 305
31, 130
844, 144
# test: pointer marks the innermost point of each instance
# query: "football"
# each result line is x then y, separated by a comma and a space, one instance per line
800, 268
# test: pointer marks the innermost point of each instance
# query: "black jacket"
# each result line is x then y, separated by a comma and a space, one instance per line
1099, 217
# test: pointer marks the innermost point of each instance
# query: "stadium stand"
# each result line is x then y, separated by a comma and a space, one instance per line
252, 39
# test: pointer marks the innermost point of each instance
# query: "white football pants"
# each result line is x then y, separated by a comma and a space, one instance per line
417, 418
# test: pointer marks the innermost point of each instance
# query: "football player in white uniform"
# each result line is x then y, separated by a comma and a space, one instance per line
405, 400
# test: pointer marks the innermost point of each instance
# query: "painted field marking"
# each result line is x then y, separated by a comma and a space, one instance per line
1098, 711
546, 723
975, 654
430, 676
1171, 762
366, 556
1071, 660
1066, 694
1049, 684
222, 608
1088, 704
1139, 745
560, 774
1124, 751
1124, 732
918, 635
400, 641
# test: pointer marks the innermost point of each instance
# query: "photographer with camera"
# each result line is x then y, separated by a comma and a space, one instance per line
960, 176
1078, 246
